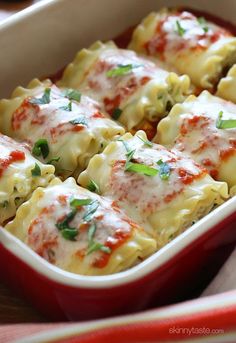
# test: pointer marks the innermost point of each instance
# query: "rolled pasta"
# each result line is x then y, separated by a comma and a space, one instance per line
227, 86
130, 88
60, 125
162, 190
204, 128
20, 174
192, 45
80, 231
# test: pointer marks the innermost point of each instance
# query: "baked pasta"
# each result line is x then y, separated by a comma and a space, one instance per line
162, 190
20, 174
61, 125
227, 86
204, 128
80, 231
192, 45
132, 89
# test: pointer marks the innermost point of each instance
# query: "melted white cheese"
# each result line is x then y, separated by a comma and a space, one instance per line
44, 237
192, 128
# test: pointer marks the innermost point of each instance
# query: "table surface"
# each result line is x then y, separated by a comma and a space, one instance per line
12, 308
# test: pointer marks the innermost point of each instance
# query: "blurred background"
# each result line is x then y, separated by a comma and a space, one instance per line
9, 7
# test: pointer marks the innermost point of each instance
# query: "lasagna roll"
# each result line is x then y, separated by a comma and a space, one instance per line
20, 174
187, 43
61, 125
80, 231
227, 86
162, 190
204, 128
132, 89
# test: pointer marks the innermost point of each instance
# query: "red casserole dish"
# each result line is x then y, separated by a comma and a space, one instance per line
178, 271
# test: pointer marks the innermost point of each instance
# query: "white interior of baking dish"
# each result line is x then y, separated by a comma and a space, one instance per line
42, 39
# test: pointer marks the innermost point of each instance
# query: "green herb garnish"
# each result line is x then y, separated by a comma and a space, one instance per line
203, 23
146, 141
122, 69
41, 148
91, 209
64, 226
91, 232
116, 113
141, 169
80, 202
93, 186
130, 155
127, 148
44, 100
164, 170
72, 94
94, 246
69, 233
179, 29
36, 171
68, 107
136, 167
225, 123
80, 120
98, 246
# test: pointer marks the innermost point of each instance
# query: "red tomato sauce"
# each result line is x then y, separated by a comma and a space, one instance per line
62, 198
48, 242
114, 242
227, 153
214, 173
98, 115
20, 114
188, 178
63, 128
147, 126
77, 128
159, 41
189, 124
15, 156
203, 145
169, 197
123, 39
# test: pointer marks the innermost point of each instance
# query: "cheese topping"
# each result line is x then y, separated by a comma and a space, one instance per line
10, 153
180, 32
199, 136
111, 228
151, 193
20, 174
116, 75
55, 119
132, 89
60, 125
